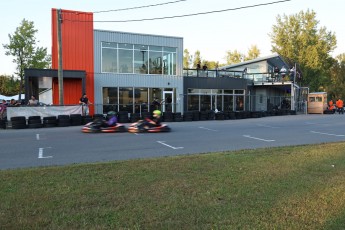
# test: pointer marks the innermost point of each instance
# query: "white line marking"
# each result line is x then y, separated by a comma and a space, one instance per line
40, 153
267, 126
208, 129
162, 142
137, 134
258, 138
329, 134
37, 137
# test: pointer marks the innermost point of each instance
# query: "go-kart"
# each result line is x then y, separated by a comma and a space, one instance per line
99, 127
143, 126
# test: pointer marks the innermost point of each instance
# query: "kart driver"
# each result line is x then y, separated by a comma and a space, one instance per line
111, 121
156, 121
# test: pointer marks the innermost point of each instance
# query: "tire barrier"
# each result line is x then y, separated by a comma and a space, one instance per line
146, 115
34, 122
50, 121
188, 116
134, 117
18, 122
123, 117
86, 119
2, 124
178, 117
168, 117
75, 119
63, 121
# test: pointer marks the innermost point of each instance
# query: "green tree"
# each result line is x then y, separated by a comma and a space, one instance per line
299, 37
22, 46
187, 59
234, 57
8, 85
336, 86
253, 52
196, 59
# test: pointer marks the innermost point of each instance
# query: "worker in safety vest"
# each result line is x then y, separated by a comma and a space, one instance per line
331, 106
340, 106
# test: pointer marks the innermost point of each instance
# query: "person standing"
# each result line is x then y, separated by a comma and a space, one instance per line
3, 109
33, 101
85, 102
340, 106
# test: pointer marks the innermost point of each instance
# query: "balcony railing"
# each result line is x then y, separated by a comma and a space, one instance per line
256, 78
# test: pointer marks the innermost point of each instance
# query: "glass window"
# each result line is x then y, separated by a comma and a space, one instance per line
194, 91
205, 91
319, 99
239, 91
239, 103
228, 103
169, 60
109, 63
156, 48
126, 99
155, 93
193, 102
311, 99
110, 98
219, 103
155, 62
141, 100
125, 46
228, 91
140, 61
205, 102
125, 61
109, 44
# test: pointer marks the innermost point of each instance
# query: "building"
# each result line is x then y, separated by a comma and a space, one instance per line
124, 71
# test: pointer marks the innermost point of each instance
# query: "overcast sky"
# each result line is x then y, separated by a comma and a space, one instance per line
211, 34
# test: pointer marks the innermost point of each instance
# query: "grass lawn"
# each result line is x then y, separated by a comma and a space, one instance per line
300, 187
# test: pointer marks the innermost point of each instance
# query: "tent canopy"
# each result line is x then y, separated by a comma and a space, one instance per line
8, 98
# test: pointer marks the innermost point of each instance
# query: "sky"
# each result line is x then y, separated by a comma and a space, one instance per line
212, 34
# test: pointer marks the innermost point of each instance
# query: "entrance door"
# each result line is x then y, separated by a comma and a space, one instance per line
168, 101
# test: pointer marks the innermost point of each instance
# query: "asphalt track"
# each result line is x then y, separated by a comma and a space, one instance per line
68, 145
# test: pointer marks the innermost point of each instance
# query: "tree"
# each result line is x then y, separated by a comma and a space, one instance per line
196, 59
253, 52
8, 85
22, 46
336, 86
187, 59
234, 57
299, 38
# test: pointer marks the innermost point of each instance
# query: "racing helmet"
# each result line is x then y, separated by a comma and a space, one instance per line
157, 113
111, 113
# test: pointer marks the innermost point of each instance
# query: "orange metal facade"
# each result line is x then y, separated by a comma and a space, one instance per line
77, 53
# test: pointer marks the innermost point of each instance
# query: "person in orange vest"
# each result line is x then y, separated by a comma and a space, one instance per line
340, 106
331, 106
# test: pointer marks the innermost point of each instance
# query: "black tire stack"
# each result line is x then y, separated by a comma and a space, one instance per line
123, 117
178, 117
86, 119
50, 121
219, 116
18, 122
168, 116
98, 116
63, 121
146, 115
203, 115
188, 116
211, 115
75, 119
134, 117
196, 116
2, 124
34, 122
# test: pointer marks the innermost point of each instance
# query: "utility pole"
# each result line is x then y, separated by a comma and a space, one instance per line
59, 46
